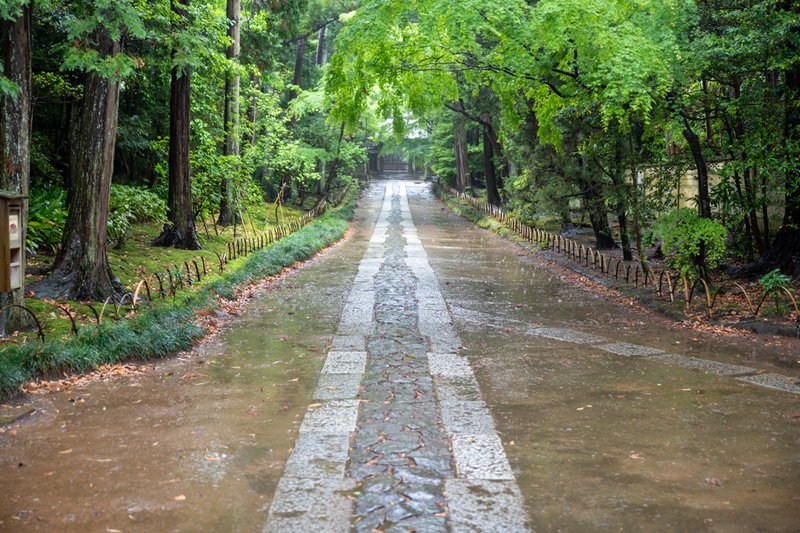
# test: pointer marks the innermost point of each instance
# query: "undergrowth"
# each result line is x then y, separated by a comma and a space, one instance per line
161, 330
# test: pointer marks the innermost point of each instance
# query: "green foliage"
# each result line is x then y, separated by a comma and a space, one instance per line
129, 205
772, 280
685, 235
47, 213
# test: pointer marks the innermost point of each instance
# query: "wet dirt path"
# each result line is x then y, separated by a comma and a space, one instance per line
605, 419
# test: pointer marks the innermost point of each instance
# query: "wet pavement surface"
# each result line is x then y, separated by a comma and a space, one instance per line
424, 375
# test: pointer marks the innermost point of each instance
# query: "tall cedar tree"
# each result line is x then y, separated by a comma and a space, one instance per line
180, 232
227, 208
15, 134
82, 271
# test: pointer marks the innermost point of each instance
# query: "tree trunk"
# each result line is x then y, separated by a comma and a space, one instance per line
333, 171
596, 206
752, 215
635, 206
180, 232
491, 148
621, 192
463, 180
320, 55
252, 111
299, 56
489, 171
704, 202
228, 214
15, 143
81, 269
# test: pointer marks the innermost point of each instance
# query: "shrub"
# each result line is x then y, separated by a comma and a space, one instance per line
130, 205
47, 213
685, 236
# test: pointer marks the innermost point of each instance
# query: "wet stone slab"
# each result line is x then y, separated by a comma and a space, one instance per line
318, 455
305, 504
457, 388
629, 350
566, 335
338, 386
774, 381
449, 365
481, 457
467, 417
485, 506
335, 416
348, 343
345, 363
704, 365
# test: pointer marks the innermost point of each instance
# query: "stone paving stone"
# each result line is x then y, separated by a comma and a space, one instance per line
449, 365
566, 335
335, 416
345, 362
485, 506
306, 504
629, 350
318, 455
457, 388
348, 343
357, 317
467, 417
774, 381
705, 365
338, 387
481, 457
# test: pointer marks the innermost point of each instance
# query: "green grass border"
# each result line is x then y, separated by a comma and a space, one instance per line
162, 330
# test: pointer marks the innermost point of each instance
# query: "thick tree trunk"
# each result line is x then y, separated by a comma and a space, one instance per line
180, 232
228, 214
463, 180
81, 269
320, 55
15, 141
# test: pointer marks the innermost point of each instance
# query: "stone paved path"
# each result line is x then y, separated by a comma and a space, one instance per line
399, 438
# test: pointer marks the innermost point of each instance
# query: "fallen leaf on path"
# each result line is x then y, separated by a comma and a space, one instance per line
714, 482
65, 452
180, 498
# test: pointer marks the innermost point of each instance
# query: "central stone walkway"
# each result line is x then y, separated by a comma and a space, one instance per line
400, 439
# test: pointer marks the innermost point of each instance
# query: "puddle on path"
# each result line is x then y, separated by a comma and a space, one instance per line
186, 446
600, 441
